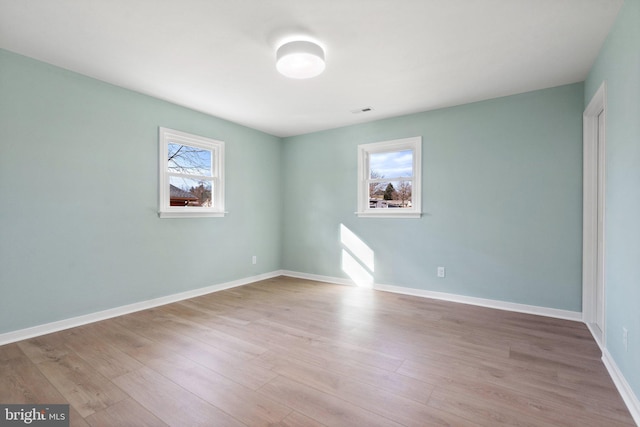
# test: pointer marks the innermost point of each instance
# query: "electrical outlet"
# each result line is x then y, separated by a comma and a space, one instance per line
441, 272
254, 260
625, 339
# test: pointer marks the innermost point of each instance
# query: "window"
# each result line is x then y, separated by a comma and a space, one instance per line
191, 175
389, 178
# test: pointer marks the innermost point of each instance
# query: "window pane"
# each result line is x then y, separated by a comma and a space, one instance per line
190, 192
390, 194
189, 160
393, 164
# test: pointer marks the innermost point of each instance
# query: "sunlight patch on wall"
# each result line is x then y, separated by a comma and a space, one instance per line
357, 247
355, 271
357, 258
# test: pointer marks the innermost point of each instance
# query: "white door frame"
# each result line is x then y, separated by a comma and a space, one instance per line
591, 245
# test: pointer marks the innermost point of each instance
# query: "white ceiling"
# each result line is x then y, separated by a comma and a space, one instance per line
395, 56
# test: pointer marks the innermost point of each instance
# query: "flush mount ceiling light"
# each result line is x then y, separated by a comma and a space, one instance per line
300, 60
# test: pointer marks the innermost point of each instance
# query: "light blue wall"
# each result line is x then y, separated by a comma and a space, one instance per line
502, 194
80, 233
619, 65
79, 230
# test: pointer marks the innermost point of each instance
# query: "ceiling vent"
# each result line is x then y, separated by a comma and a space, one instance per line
362, 110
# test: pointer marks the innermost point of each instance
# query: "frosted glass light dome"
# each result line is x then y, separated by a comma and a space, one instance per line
300, 60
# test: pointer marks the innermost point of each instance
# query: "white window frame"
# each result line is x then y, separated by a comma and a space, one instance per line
216, 147
364, 153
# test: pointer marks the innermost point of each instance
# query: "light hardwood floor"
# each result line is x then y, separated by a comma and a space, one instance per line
290, 352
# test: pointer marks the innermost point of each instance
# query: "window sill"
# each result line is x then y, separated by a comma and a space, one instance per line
369, 214
191, 214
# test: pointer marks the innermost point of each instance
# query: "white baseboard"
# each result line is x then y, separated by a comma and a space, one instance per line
629, 397
73, 322
482, 302
318, 278
597, 336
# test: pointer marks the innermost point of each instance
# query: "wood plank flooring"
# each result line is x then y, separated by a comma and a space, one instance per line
290, 352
